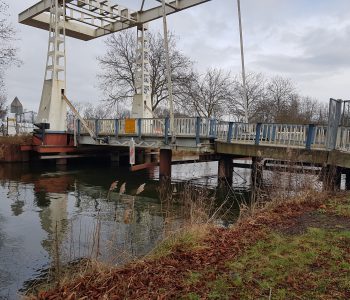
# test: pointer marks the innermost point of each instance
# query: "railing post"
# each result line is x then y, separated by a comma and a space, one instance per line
198, 128
229, 134
78, 129
166, 130
273, 138
116, 127
310, 136
257, 134
211, 128
268, 133
235, 130
264, 132
97, 129
139, 127
212, 131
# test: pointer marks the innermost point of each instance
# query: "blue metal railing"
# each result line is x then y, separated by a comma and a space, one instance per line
260, 134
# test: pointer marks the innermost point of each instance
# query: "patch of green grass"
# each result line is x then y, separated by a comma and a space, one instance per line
309, 265
343, 210
338, 207
192, 296
219, 289
193, 278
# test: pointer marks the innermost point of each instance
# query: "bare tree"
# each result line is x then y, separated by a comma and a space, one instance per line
280, 92
256, 93
96, 112
117, 81
206, 95
3, 109
89, 111
303, 110
7, 51
274, 100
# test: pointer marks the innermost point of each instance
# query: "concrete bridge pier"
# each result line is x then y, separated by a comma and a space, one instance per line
225, 169
331, 178
257, 172
165, 157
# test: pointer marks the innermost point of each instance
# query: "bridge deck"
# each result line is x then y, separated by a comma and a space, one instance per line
305, 143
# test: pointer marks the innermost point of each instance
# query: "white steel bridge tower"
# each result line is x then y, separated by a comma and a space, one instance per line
52, 107
142, 104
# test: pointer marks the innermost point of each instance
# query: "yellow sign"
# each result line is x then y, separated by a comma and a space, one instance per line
130, 126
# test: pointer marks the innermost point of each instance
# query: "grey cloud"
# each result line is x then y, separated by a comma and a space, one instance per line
322, 50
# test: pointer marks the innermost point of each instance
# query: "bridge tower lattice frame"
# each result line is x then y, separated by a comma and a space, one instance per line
52, 107
142, 101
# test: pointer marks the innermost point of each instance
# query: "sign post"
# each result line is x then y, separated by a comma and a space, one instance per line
132, 151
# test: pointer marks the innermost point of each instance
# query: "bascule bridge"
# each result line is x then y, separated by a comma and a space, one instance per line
325, 145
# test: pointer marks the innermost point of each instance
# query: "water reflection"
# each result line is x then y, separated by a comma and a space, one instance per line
42, 207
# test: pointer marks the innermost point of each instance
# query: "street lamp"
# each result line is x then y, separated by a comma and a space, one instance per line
245, 95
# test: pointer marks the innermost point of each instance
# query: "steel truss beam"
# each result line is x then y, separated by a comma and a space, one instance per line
90, 19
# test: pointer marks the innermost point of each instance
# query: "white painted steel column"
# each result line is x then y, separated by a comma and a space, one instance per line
142, 102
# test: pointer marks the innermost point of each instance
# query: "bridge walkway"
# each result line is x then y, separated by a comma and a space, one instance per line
305, 143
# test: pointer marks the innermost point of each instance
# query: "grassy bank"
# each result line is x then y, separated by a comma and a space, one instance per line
295, 249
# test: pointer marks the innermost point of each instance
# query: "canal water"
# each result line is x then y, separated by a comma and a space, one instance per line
42, 208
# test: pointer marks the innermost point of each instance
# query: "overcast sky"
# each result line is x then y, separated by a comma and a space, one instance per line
305, 40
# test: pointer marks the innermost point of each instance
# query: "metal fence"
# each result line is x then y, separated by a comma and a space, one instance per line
20, 124
286, 135
265, 134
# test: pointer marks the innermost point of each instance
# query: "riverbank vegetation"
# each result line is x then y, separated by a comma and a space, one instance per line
287, 248
16, 140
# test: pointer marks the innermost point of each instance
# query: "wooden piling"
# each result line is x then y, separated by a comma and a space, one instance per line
165, 164
225, 169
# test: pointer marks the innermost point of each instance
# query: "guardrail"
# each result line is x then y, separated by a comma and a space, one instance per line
184, 127
287, 135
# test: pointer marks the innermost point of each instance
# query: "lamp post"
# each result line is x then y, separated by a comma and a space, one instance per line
245, 95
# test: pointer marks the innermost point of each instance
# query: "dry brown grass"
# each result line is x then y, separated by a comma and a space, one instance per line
72, 272
16, 140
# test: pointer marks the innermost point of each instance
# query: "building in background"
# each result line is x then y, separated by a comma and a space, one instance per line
16, 107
